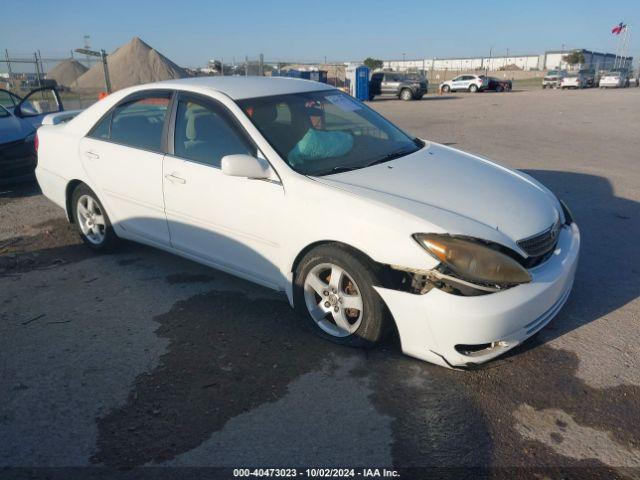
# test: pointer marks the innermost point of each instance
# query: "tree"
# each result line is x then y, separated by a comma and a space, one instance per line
574, 58
373, 63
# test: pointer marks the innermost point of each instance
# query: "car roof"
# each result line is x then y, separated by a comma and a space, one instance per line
239, 88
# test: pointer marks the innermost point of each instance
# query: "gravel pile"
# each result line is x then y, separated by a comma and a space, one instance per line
132, 64
66, 72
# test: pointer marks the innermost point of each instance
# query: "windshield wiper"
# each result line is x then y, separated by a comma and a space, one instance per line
392, 156
342, 168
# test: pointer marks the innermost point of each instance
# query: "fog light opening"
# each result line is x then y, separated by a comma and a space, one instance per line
480, 348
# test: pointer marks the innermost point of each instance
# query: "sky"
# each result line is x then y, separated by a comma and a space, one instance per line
192, 32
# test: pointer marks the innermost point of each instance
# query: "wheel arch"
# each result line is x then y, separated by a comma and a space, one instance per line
68, 195
335, 243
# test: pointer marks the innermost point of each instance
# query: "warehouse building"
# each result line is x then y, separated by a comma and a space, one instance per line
546, 61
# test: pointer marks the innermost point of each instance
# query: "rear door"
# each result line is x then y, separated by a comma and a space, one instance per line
466, 81
122, 156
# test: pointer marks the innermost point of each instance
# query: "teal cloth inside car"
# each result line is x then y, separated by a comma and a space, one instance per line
320, 144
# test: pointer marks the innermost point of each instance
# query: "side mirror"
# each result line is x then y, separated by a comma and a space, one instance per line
245, 166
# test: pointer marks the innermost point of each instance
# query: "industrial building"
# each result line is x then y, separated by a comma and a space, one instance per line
546, 61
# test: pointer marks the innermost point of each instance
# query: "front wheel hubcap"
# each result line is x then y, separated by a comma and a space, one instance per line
91, 219
333, 300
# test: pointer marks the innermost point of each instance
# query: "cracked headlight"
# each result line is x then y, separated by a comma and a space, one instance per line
473, 261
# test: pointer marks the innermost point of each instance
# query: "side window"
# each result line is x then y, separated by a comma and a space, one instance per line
139, 123
102, 129
7, 99
205, 134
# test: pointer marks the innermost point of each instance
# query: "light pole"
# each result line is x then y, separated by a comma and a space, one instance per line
103, 56
403, 60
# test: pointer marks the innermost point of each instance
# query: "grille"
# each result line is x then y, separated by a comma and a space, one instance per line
541, 243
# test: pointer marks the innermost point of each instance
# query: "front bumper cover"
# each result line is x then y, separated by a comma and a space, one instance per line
430, 326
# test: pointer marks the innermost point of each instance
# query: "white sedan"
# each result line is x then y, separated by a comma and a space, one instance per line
299, 187
614, 79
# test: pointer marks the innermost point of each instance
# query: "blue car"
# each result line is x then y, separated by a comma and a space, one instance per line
19, 120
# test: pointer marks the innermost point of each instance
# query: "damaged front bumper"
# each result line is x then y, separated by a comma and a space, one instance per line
458, 331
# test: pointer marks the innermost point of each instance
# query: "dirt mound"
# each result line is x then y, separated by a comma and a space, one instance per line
66, 72
132, 64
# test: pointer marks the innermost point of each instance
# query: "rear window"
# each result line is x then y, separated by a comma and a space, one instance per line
138, 123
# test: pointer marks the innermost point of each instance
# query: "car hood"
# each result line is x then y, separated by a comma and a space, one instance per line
438, 183
12, 129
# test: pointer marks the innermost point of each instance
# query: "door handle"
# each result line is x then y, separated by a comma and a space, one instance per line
175, 179
90, 154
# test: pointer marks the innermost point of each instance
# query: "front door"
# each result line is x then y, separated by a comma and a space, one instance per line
122, 156
230, 222
390, 84
38, 104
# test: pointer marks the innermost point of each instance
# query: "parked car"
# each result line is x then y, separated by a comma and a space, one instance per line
553, 78
499, 84
574, 80
19, 119
404, 86
470, 83
614, 79
304, 189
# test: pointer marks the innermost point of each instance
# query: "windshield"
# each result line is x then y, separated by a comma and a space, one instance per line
319, 133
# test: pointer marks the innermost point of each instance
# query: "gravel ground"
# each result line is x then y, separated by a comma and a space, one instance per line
140, 359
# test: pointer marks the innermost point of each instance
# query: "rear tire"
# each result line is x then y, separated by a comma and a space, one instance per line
345, 309
92, 221
406, 95
473, 88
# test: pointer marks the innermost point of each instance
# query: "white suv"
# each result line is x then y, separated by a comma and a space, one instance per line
470, 83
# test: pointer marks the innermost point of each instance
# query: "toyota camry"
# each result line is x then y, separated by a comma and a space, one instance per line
296, 186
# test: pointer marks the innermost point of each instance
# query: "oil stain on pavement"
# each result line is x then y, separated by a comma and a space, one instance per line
223, 359
230, 356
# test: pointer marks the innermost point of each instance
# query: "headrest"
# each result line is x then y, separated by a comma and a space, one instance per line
264, 114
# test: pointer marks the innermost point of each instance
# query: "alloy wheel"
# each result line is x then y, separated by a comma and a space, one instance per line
91, 219
333, 299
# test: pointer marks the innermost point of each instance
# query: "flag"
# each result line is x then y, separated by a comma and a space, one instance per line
618, 28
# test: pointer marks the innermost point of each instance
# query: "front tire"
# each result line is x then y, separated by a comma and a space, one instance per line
92, 221
446, 89
333, 291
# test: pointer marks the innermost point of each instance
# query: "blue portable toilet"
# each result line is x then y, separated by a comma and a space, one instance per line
362, 83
